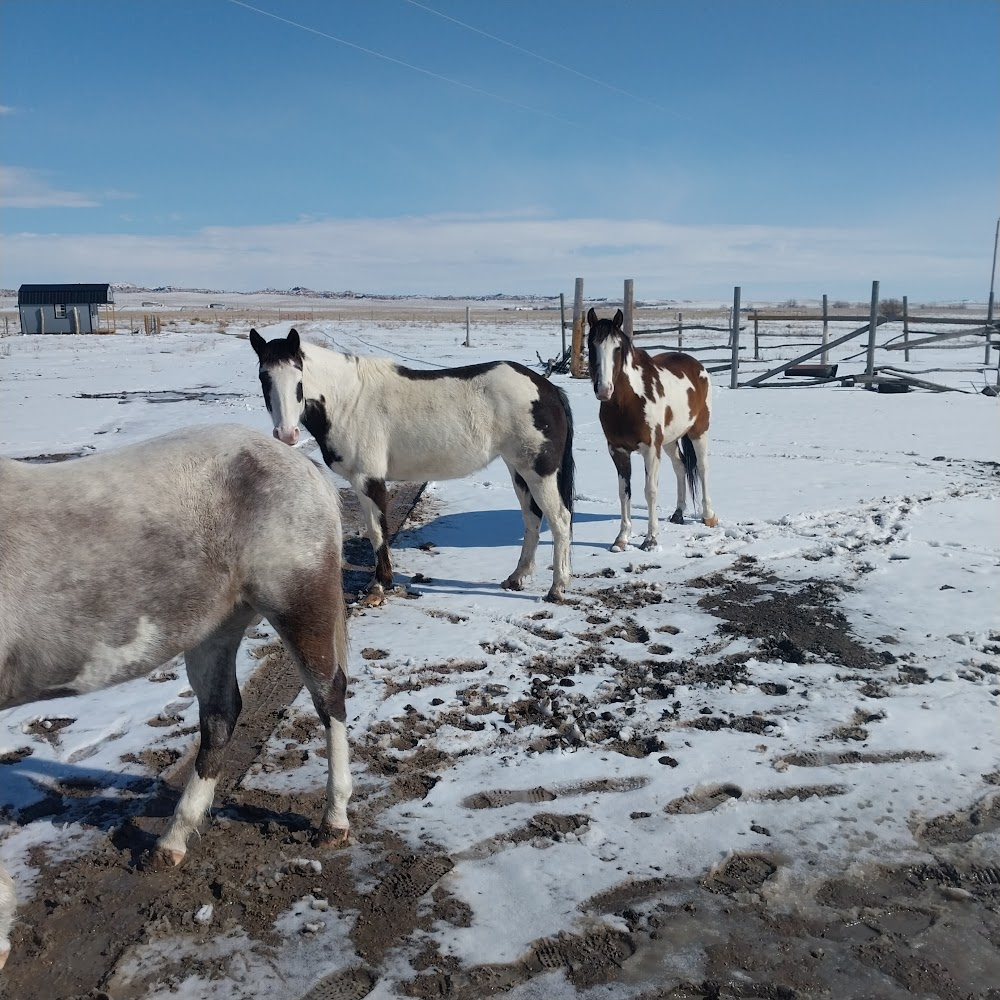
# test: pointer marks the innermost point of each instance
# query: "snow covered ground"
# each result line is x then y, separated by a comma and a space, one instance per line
664, 726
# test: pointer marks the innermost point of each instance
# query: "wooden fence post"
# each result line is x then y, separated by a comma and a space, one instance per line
734, 372
576, 361
562, 322
872, 325
680, 331
906, 329
756, 340
824, 357
467, 344
629, 303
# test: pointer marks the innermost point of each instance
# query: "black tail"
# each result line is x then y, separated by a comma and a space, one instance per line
690, 459
567, 470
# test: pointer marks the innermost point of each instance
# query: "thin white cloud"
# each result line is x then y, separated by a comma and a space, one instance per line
6, 109
21, 188
463, 255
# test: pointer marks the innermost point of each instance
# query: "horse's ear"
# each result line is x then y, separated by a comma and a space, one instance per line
258, 343
619, 319
293, 341
592, 318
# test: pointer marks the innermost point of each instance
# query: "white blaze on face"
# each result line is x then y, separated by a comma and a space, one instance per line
606, 368
287, 401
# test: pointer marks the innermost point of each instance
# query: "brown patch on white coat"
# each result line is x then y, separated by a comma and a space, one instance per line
649, 404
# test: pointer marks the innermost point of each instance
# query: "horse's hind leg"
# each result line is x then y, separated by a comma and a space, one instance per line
211, 669
532, 515
315, 632
373, 498
8, 903
700, 443
674, 451
546, 496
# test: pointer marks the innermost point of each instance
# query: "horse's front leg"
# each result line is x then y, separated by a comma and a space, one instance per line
211, 669
373, 497
623, 463
651, 458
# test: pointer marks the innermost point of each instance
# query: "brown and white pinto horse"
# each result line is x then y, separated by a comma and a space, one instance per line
648, 404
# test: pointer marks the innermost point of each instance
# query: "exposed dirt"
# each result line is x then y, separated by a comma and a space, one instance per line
872, 932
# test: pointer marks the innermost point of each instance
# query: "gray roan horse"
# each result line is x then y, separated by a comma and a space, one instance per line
651, 404
375, 421
112, 564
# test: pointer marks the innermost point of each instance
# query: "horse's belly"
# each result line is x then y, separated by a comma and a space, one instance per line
460, 462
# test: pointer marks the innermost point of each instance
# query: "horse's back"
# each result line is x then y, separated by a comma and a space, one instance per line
112, 564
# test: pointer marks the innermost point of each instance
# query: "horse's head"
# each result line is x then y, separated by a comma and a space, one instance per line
607, 346
281, 363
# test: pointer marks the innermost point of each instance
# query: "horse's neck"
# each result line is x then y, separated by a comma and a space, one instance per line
327, 373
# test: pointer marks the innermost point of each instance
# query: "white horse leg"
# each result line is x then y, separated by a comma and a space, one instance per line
546, 491
674, 451
623, 463
373, 498
211, 669
651, 458
708, 515
8, 903
531, 513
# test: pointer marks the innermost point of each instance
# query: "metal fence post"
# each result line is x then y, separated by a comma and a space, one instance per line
872, 324
824, 357
906, 329
562, 322
734, 373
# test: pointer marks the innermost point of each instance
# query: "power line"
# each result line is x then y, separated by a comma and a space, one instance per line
405, 65
546, 59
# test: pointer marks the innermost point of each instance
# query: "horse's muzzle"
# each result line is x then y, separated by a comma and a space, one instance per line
287, 436
604, 393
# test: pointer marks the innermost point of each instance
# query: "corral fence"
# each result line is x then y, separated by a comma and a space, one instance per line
901, 330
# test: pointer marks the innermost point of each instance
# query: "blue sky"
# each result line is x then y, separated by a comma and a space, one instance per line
390, 146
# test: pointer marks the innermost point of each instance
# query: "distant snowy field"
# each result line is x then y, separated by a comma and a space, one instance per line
893, 495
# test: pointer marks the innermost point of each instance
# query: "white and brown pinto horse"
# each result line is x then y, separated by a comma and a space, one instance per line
112, 564
651, 404
375, 421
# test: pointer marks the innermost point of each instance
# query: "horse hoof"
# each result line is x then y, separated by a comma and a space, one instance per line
332, 837
711, 522
162, 859
619, 546
512, 583
375, 598
678, 517
649, 545
554, 596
